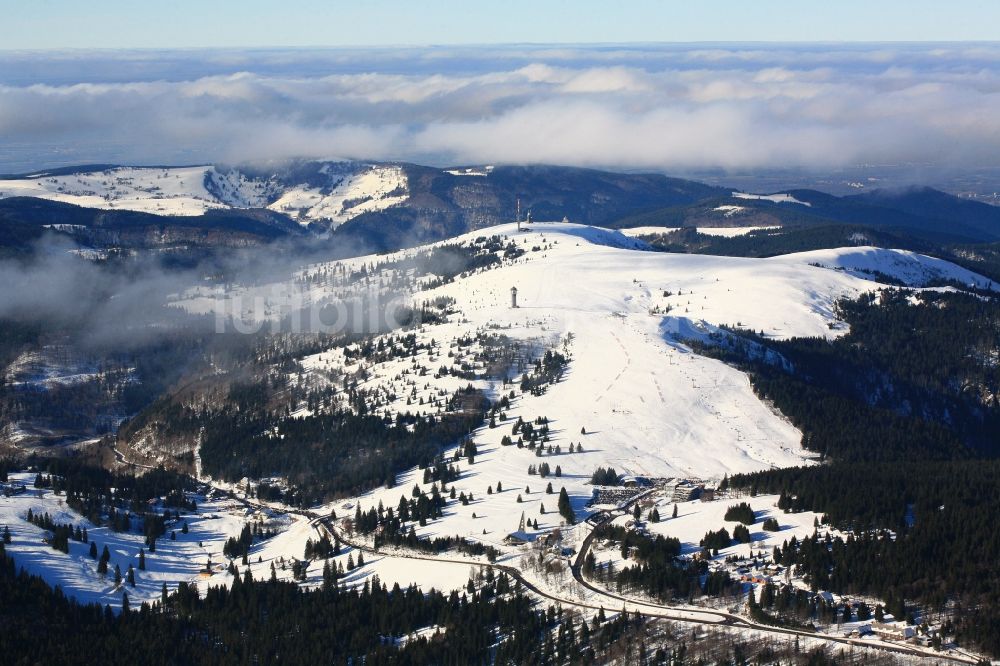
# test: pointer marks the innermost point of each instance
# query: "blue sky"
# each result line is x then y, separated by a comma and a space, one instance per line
61, 24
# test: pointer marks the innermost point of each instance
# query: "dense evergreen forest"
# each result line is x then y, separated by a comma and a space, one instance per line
771, 243
111, 380
272, 622
914, 379
325, 455
925, 532
904, 408
654, 568
256, 622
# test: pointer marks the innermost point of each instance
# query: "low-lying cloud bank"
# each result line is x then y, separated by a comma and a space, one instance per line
658, 107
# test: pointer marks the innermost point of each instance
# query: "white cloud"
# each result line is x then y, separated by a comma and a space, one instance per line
652, 107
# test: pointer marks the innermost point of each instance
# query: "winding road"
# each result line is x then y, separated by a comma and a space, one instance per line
696, 616
703, 617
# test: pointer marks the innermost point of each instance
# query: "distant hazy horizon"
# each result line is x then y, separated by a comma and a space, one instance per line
669, 107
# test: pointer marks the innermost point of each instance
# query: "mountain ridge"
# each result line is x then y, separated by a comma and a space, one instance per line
388, 205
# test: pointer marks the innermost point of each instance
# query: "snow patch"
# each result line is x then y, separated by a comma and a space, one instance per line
167, 191
776, 198
727, 232
913, 269
373, 189
471, 171
728, 210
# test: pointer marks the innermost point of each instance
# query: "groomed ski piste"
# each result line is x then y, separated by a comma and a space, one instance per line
634, 396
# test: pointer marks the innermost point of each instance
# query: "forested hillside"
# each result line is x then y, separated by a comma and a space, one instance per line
905, 411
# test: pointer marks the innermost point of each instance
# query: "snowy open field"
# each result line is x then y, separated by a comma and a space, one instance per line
775, 198
76, 573
695, 518
184, 558
373, 189
173, 191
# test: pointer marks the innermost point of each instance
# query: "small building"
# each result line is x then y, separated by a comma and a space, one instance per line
685, 491
893, 631
708, 494
826, 597
517, 538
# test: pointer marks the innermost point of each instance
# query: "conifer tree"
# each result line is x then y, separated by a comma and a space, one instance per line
327, 576
142, 560
566, 507
102, 566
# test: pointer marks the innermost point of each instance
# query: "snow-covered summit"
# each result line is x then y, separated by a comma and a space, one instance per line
910, 268
621, 312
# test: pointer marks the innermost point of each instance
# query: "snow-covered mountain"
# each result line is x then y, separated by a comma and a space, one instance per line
633, 395
335, 193
622, 313
385, 206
